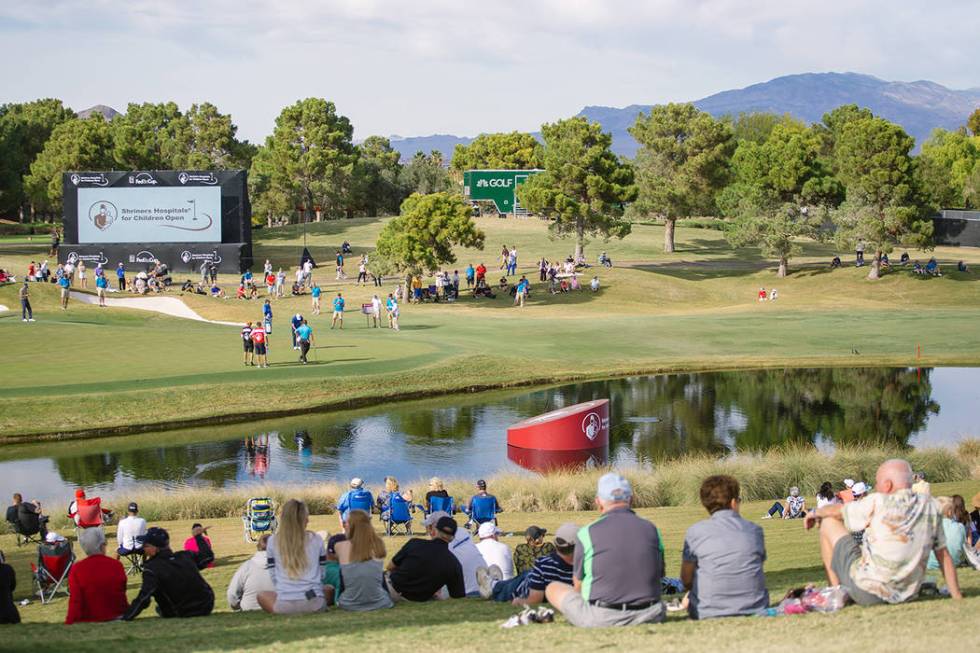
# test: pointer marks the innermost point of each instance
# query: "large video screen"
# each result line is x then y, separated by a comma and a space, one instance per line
186, 214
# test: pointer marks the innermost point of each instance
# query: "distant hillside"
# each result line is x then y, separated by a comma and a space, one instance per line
107, 112
919, 107
445, 143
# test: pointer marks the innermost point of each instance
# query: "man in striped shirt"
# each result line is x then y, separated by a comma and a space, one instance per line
247, 344
528, 588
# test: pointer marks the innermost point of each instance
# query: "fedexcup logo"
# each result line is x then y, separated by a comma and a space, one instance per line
591, 425
144, 256
142, 179
102, 214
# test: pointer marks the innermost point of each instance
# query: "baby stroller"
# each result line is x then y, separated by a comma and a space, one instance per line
259, 518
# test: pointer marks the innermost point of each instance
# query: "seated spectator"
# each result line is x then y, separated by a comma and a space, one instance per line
361, 556
917, 268
495, 552
188, 286
885, 263
384, 497
422, 568
618, 565
528, 587
355, 497
835, 262
128, 530
932, 268
904, 259
796, 506
975, 519
481, 493
8, 583
251, 579
87, 513
535, 547
826, 495
920, 484
240, 293
295, 556
594, 284
25, 517
172, 579
436, 489
954, 529
331, 570
216, 291
962, 267
97, 584
200, 545
901, 528
723, 556
847, 494
465, 551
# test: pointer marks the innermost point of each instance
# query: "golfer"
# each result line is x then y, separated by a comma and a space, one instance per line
315, 294
304, 335
338, 311
394, 313
101, 283
294, 322
26, 313
65, 283
249, 355
376, 311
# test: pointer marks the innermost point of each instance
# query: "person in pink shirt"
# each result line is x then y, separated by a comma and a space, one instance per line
200, 545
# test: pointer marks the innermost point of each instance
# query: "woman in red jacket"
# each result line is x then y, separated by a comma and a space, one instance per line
97, 583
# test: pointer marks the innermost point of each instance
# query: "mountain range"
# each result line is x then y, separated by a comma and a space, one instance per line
919, 107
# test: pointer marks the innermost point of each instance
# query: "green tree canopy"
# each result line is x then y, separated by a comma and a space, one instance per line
583, 186
143, 136
973, 122
376, 184
503, 151
949, 169
421, 239
756, 126
204, 139
74, 145
309, 159
683, 161
24, 129
781, 192
425, 174
882, 207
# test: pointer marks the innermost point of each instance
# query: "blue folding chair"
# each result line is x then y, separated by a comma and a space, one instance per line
444, 504
482, 509
361, 500
399, 513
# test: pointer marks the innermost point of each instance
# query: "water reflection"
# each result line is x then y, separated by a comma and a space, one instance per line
652, 418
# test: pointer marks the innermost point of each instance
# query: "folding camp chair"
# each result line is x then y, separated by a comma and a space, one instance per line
134, 562
445, 504
361, 500
50, 574
399, 513
23, 538
259, 518
482, 509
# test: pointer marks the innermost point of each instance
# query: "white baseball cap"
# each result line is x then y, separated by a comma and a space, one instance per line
356, 482
487, 529
859, 489
848, 482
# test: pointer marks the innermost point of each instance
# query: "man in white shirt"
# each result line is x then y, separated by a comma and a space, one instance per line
465, 551
495, 552
376, 311
250, 579
130, 527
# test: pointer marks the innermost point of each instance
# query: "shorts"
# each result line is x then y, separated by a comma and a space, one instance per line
299, 606
847, 552
64, 292
260, 349
339, 314
583, 614
248, 346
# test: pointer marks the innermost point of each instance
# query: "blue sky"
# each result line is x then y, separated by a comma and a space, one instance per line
438, 66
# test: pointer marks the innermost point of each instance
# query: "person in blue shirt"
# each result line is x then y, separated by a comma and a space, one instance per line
338, 311
267, 316
304, 335
295, 321
481, 488
315, 294
521, 293
65, 285
100, 285
121, 276
470, 274
356, 493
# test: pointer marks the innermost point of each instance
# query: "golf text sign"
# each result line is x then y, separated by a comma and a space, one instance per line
187, 214
495, 186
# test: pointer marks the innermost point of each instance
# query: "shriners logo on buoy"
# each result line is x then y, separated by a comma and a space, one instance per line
591, 425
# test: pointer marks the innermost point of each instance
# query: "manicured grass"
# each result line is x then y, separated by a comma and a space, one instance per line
90, 368
793, 560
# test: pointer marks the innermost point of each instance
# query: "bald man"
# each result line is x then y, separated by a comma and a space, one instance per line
900, 528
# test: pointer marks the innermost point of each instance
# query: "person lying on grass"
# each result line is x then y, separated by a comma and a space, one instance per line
900, 529
528, 587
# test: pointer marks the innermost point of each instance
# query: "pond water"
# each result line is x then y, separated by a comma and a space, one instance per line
652, 418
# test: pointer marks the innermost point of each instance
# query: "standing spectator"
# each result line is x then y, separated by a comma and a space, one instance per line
267, 316
422, 568
129, 530
304, 335
267, 268
533, 548
97, 584
172, 579
251, 579
340, 266
295, 322
100, 287
859, 253
121, 276
260, 342
361, 556
295, 556
8, 583
205, 265
362, 271
618, 565
270, 284
82, 279
470, 275
213, 272
65, 284
248, 346
26, 312
393, 313
900, 528
723, 556
55, 240
495, 552
338, 312
280, 283
528, 588
315, 293
200, 545
376, 311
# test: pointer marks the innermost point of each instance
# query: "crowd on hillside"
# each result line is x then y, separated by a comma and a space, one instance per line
876, 548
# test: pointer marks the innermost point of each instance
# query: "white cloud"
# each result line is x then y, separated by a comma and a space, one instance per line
456, 65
